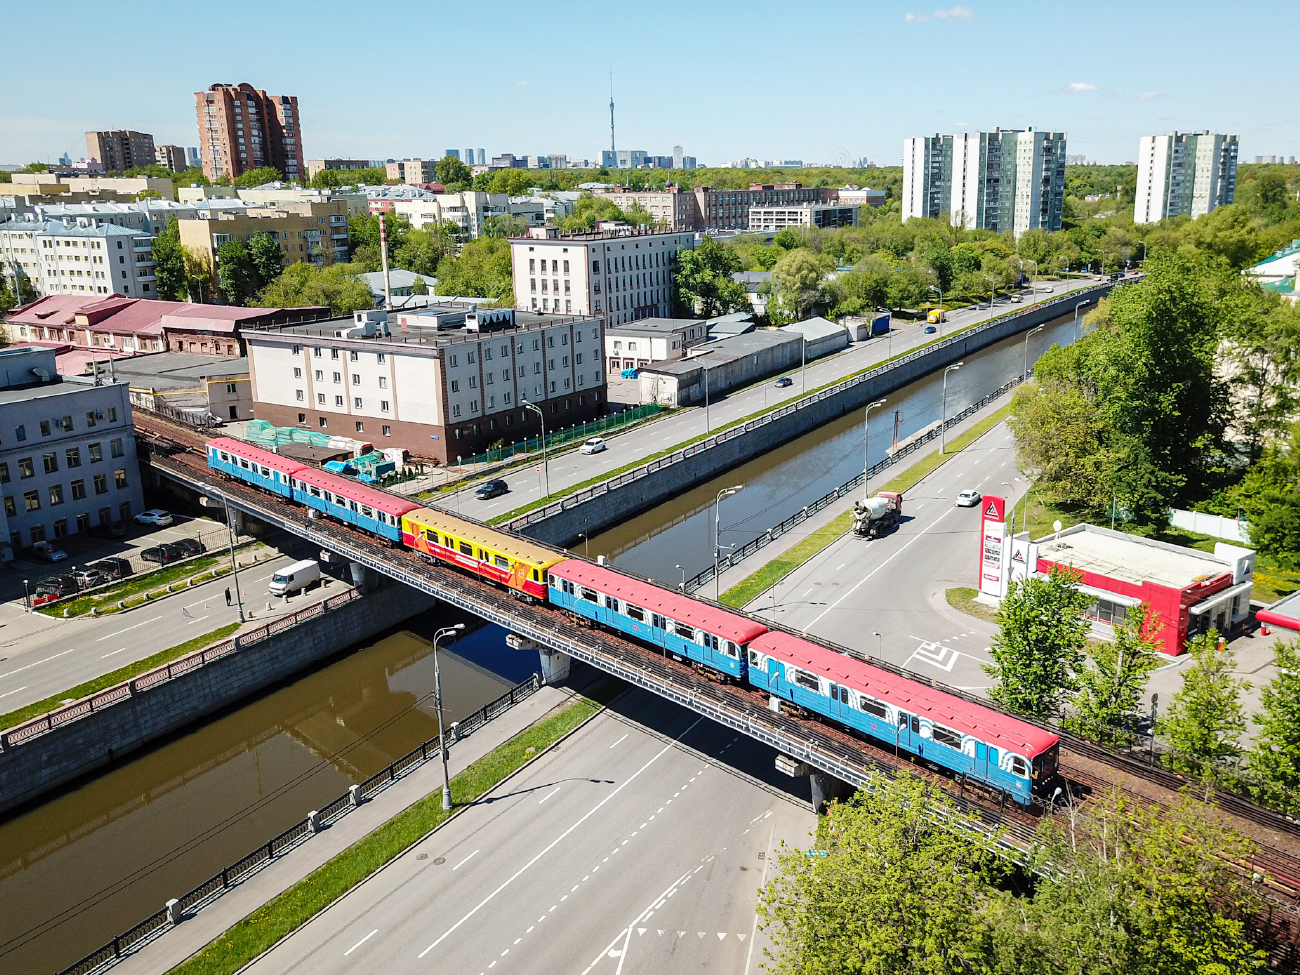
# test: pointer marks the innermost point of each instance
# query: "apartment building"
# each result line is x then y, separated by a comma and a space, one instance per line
767, 219
77, 256
243, 128
466, 210
317, 166
671, 207
36, 184
315, 232
120, 149
1002, 180
173, 157
441, 392
414, 172
68, 458
729, 209
1184, 173
618, 276
651, 340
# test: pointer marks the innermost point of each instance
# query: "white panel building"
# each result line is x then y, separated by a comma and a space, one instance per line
1184, 173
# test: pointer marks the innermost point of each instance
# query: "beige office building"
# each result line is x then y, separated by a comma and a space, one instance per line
314, 232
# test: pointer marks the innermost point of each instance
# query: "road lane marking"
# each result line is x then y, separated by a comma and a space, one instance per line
465, 861
548, 795
619, 741
14, 691
129, 628
594, 809
199, 620
361, 942
19, 670
112, 653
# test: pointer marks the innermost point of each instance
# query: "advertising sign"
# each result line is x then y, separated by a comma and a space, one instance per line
993, 546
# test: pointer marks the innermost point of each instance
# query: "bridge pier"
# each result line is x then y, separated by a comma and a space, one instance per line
826, 789
555, 663
367, 580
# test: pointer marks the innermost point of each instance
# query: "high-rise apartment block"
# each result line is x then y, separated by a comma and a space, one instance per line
1000, 180
414, 172
243, 128
1183, 172
172, 157
120, 150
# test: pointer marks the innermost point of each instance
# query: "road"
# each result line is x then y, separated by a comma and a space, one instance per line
571, 468
636, 846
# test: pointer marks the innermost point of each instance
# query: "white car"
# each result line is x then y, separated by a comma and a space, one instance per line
969, 499
593, 446
154, 516
48, 553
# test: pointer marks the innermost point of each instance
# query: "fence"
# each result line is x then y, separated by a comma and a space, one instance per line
677, 456
762, 541
51, 720
556, 438
1216, 526
212, 888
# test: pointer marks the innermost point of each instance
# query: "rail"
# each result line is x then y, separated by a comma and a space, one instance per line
109, 696
708, 443
799, 517
207, 892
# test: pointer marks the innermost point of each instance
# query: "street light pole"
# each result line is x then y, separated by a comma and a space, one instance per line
866, 429
585, 552
717, 532
993, 290
1025, 374
942, 315
546, 460
707, 426
682, 587
943, 410
1077, 334
234, 566
437, 694
803, 363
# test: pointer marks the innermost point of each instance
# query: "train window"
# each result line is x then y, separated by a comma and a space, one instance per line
224, 456
365, 510
805, 679
993, 756
501, 561
266, 472
243, 463
569, 587
466, 548
315, 492
550, 580
755, 660
902, 719
636, 613
946, 736
590, 595
537, 575
685, 632
980, 750
916, 725
731, 650
1018, 766
873, 707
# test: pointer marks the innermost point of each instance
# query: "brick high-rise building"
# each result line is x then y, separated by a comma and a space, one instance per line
243, 128
120, 150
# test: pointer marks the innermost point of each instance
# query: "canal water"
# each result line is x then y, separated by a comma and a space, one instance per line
675, 540
91, 862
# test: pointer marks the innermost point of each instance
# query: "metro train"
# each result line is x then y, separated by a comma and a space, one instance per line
798, 675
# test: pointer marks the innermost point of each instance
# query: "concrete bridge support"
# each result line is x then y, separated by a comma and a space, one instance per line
555, 663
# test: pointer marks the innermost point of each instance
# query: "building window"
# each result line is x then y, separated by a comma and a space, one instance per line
101, 484
455, 385
298, 395
352, 356
32, 500
323, 423
383, 382
4, 472
73, 455
356, 379
356, 402
320, 376
320, 399
78, 490
124, 511
11, 509
90, 418
302, 418
25, 468
96, 452
381, 357
338, 401
388, 431
383, 406
115, 447
112, 414
338, 377
38, 531
455, 409
45, 428
361, 427
119, 479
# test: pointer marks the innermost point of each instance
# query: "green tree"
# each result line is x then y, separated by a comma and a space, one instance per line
909, 286
419, 287
16, 288
505, 225
900, 887
1038, 649
451, 170
169, 263
336, 286
704, 279
787, 239
1110, 687
482, 270
1274, 761
363, 238
862, 290
235, 272
264, 252
422, 250
1205, 720
198, 274
259, 176
797, 284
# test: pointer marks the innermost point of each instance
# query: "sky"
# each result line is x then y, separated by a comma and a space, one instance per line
824, 81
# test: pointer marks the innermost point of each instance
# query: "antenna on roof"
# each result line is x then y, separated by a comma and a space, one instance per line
612, 151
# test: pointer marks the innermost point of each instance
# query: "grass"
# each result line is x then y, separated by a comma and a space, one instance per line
289, 910
116, 676
962, 599
774, 571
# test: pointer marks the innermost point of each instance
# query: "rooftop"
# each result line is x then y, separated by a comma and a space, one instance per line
414, 332
176, 370
1129, 558
62, 228
722, 351
814, 328
65, 386
653, 326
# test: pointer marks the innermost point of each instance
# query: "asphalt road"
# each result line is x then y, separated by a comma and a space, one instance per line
637, 846
570, 468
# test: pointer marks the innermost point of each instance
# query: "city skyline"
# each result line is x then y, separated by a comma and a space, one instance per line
1107, 90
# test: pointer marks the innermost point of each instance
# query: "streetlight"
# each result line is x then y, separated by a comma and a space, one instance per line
234, 566
546, 460
993, 290
1027, 334
803, 363
682, 587
880, 643
27, 597
707, 427
943, 411
1012, 526
934, 287
583, 536
866, 460
717, 530
1077, 333
437, 694
1033, 288
1144, 250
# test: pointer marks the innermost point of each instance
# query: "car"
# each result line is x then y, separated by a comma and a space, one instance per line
105, 570
491, 489
930, 330
112, 529
55, 586
1015, 299
154, 516
969, 498
48, 553
783, 382
190, 546
593, 446
163, 554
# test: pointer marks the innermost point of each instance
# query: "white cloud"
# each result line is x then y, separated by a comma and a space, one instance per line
1082, 86
952, 13
1147, 96
522, 84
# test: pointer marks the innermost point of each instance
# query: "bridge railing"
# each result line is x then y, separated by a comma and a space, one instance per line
708, 443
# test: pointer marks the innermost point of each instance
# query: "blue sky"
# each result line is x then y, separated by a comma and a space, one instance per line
722, 79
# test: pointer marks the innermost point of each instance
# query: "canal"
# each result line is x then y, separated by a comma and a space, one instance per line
84, 866
674, 541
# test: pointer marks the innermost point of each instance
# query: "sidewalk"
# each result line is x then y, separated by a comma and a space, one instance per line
194, 932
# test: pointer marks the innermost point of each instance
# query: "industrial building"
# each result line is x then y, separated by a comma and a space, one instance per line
769, 219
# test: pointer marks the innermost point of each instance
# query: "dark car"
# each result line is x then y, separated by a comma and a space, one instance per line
190, 546
783, 382
105, 570
55, 586
930, 330
491, 489
162, 554
114, 529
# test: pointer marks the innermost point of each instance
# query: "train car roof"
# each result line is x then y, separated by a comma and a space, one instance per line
517, 548
278, 462
913, 696
667, 602
380, 500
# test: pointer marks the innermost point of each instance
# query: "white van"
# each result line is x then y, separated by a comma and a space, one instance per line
294, 578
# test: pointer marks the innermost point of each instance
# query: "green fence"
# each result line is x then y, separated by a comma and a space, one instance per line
557, 438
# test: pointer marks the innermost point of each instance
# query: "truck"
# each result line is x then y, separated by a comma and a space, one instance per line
294, 578
872, 517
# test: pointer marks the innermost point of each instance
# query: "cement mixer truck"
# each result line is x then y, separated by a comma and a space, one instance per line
873, 517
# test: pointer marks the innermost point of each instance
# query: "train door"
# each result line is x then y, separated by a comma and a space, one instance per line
839, 709
909, 733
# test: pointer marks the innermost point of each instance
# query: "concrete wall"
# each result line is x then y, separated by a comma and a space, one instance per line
615, 505
31, 769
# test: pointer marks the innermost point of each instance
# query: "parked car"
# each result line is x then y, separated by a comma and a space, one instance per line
48, 553
105, 570
969, 498
491, 489
55, 586
163, 554
190, 546
593, 446
783, 382
154, 516
113, 529
930, 330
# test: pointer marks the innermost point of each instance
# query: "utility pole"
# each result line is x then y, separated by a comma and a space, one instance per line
612, 151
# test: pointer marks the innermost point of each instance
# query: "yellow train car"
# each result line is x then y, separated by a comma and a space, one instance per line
513, 562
